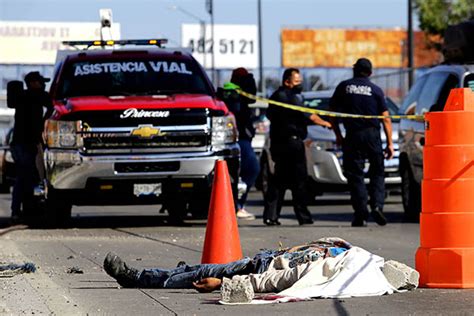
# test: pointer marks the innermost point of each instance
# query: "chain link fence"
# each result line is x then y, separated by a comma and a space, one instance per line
394, 82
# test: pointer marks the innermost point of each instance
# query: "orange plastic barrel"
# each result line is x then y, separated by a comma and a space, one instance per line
445, 258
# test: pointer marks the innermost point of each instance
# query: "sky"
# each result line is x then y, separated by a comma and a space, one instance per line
156, 18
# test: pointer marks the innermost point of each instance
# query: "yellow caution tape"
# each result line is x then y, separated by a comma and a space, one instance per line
327, 113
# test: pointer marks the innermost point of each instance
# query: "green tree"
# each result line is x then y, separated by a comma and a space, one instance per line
436, 15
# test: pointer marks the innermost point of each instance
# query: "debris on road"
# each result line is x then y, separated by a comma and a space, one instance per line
75, 270
12, 269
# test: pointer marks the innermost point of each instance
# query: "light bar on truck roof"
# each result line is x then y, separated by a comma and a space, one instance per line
141, 42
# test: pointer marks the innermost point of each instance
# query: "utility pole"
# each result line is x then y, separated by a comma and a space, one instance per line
260, 53
410, 44
210, 10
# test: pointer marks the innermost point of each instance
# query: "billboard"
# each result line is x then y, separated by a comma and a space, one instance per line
342, 47
36, 43
234, 45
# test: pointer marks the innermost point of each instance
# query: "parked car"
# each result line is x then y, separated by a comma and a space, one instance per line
429, 93
262, 126
324, 157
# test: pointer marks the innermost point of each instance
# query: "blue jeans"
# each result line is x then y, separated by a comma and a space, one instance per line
24, 156
249, 168
183, 277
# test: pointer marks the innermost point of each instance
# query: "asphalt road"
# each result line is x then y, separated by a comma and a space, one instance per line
142, 237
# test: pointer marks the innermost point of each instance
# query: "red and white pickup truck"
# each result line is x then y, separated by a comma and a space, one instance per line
137, 125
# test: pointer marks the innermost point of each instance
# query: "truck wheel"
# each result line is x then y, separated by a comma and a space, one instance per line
177, 211
411, 194
199, 208
57, 210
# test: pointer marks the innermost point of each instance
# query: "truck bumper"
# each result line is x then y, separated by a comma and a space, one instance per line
325, 168
70, 170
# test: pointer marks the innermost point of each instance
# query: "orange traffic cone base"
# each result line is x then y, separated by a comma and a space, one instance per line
446, 268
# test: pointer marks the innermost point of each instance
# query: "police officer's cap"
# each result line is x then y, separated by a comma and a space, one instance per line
35, 76
364, 65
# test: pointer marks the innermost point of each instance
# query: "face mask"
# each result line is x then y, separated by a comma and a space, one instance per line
297, 88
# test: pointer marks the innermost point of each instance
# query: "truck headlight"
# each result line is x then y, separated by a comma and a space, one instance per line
63, 134
224, 130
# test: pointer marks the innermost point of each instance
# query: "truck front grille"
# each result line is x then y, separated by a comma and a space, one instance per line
135, 167
162, 142
182, 131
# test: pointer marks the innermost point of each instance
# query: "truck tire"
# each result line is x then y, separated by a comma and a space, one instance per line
177, 211
411, 194
57, 211
199, 208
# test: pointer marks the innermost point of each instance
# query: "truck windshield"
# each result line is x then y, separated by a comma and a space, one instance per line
132, 77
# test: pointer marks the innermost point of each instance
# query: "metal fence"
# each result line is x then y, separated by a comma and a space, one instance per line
394, 82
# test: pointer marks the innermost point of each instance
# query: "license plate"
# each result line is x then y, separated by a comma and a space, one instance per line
141, 189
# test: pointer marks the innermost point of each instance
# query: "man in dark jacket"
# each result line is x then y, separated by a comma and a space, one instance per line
362, 141
27, 137
288, 129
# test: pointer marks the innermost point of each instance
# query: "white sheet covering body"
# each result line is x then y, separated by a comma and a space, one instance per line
356, 272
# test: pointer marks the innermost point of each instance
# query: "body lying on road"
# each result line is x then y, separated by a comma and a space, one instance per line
328, 267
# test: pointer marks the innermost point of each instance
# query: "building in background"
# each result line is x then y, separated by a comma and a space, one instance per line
325, 54
27, 46
341, 47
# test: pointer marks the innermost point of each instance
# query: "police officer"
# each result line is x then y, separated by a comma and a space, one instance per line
27, 137
362, 141
288, 129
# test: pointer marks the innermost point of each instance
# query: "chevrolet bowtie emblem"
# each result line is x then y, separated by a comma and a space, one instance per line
147, 131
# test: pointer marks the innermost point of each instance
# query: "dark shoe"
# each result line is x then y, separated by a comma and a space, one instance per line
306, 222
16, 220
359, 222
118, 269
271, 222
378, 216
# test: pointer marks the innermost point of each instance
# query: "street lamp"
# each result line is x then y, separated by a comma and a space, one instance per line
260, 53
210, 10
202, 23
410, 44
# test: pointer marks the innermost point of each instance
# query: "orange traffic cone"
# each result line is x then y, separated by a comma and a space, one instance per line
222, 242
445, 258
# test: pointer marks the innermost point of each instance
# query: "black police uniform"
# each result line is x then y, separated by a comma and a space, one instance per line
288, 129
27, 130
362, 141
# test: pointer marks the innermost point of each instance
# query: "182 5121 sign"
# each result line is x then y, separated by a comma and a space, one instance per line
233, 45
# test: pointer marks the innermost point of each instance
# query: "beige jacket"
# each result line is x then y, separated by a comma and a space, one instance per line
280, 276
